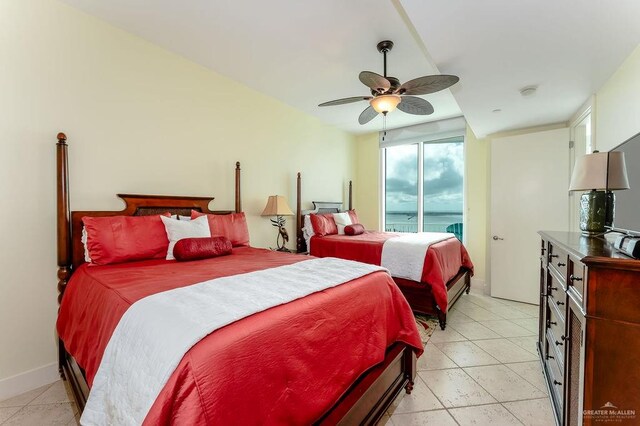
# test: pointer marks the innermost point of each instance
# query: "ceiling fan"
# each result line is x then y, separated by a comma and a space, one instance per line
387, 92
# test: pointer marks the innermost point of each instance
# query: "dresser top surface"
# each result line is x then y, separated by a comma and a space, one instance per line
590, 249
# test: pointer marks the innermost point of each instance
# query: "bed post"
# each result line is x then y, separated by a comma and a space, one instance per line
299, 237
350, 195
64, 234
238, 199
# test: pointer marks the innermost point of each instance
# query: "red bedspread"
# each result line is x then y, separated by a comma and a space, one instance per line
275, 367
441, 263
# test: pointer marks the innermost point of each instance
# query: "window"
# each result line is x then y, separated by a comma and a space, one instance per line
423, 187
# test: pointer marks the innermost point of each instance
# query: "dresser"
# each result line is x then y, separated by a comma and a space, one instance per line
589, 331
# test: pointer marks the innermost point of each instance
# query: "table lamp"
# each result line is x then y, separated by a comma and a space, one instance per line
599, 173
277, 206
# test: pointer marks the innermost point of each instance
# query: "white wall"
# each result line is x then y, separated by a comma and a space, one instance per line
618, 105
139, 120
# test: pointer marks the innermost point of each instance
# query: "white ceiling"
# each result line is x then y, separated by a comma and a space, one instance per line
305, 53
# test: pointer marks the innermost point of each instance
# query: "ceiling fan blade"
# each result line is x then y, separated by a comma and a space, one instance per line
346, 101
367, 115
427, 84
374, 81
414, 105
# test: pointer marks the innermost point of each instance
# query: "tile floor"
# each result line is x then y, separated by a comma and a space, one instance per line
482, 370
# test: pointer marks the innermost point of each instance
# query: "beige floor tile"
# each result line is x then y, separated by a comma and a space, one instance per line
477, 313
494, 415
475, 331
534, 412
484, 301
454, 316
434, 359
505, 350
530, 324
447, 335
508, 312
506, 328
531, 372
56, 393
25, 398
455, 388
437, 418
466, 354
533, 310
503, 383
420, 399
48, 414
7, 412
528, 343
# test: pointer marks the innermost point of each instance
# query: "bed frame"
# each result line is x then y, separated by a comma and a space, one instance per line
363, 403
418, 295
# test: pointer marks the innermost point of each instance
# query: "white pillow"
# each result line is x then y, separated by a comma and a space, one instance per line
179, 229
342, 220
307, 231
87, 258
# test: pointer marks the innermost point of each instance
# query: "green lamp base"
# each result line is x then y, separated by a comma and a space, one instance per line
596, 212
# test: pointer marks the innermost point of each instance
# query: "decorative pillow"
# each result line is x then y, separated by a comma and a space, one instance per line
323, 224
355, 229
233, 226
179, 229
117, 239
342, 220
354, 216
201, 248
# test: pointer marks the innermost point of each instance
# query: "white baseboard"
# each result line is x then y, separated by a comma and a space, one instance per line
29, 380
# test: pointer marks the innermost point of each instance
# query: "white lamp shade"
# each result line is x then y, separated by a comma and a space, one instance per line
277, 206
590, 172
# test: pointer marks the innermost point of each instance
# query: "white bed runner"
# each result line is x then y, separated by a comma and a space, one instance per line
156, 332
404, 256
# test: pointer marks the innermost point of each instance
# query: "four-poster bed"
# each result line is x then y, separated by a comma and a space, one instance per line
419, 294
364, 401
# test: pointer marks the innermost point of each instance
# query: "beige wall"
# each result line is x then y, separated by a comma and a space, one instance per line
617, 109
477, 154
366, 189
139, 120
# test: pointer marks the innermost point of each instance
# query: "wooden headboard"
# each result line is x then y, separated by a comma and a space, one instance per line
70, 247
318, 207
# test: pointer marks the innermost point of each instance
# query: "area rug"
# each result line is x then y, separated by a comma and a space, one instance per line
426, 326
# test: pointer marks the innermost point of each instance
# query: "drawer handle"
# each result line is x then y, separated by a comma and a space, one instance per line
553, 323
550, 357
574, 278
551, 256
560, 264
563, 338
553, 288
555, 382
559, 303
558, 343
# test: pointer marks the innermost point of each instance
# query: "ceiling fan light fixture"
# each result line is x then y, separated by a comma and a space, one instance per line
385, 103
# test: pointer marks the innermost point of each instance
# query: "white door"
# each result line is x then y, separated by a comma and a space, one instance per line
529, 192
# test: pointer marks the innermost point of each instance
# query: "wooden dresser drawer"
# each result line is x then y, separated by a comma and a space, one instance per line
556, 378
556, 295
577, 274
558, 260
556, 332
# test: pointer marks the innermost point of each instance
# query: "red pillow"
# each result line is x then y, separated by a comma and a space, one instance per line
201, 248
323, 224
233, 226
117, 239
353, 216
355, 229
